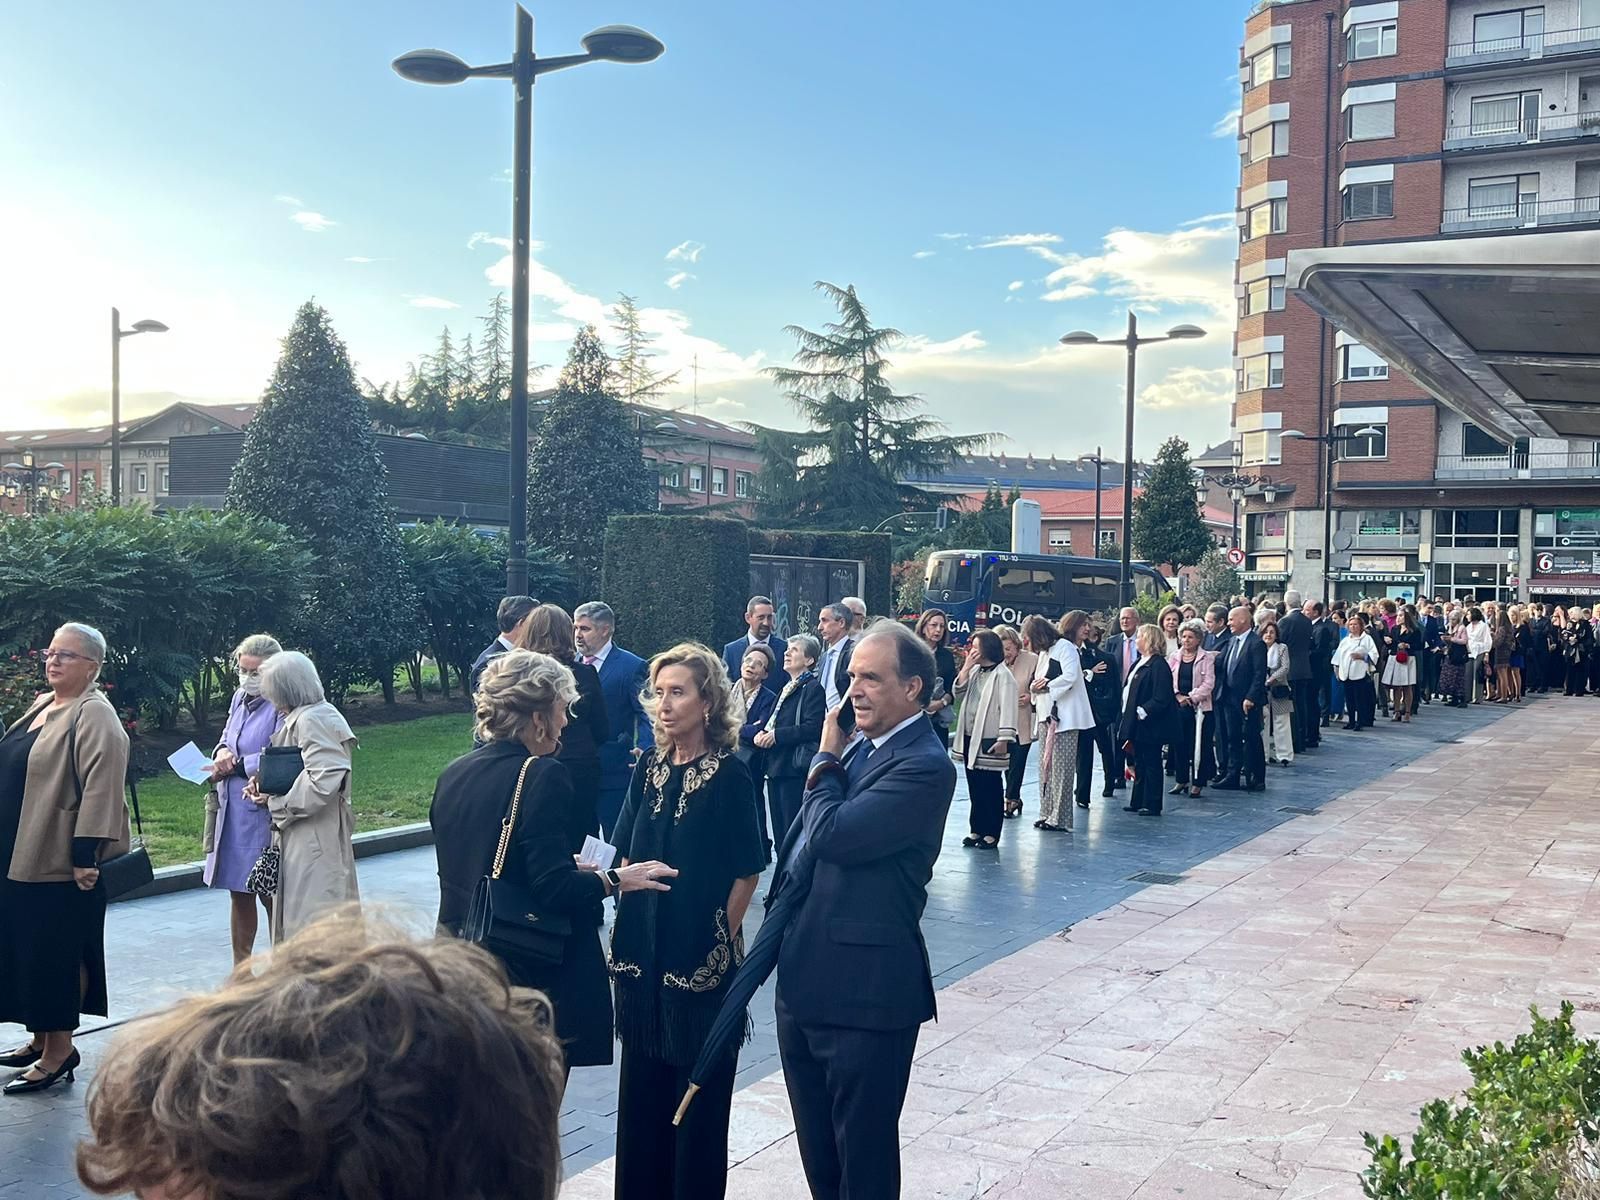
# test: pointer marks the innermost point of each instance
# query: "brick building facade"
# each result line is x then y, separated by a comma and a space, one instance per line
1391, 122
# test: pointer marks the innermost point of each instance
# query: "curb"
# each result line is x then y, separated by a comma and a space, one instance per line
186, 877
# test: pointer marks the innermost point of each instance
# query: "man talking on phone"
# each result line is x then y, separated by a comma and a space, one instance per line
854, 982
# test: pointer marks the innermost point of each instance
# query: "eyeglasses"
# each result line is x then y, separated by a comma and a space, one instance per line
65, 656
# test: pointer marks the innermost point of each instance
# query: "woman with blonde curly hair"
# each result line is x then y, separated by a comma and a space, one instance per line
515, 776
355, 1064
674, 953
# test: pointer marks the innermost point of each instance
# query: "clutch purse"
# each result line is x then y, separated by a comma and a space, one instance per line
280, 767
502, 917
131, 870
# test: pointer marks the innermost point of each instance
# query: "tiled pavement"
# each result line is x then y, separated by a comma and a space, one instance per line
1061, 1057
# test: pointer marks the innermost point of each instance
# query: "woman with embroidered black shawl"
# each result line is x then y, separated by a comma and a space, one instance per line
691, 805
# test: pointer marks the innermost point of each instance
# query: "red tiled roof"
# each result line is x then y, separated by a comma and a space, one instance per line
1058, 504
234, 416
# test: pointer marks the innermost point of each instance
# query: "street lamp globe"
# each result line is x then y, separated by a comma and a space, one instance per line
622, 43
1079, 337
149, 327
1269, 493
431, 66
1180, 332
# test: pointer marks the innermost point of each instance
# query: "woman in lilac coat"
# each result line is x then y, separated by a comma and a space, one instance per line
237, 830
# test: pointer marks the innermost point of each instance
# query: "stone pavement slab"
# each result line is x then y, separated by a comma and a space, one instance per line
1233, 1035
987, 910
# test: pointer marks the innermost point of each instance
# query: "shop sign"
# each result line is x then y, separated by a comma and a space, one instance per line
1380, 563
1567, 562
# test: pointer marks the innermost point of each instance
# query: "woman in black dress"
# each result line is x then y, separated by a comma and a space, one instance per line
522, 704
674, 953
790, 738
63, 768
548, 630
1149, 711
933, 627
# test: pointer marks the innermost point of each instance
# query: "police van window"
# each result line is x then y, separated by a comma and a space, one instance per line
1092, 593
1146, 585
1025, 585
950, 573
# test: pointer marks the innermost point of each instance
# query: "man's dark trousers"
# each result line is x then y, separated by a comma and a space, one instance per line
1307, 712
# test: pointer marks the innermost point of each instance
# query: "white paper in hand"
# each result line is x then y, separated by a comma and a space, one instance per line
600, 854
191, 763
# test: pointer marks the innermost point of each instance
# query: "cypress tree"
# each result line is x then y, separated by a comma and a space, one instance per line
1167, 527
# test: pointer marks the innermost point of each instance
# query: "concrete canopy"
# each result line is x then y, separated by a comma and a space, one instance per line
1505, 330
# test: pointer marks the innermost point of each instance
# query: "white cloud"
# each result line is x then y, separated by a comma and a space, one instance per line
918, 348
488, 239
431, 302
359, 258
1014, 286
688, 252
951, 237
1227, 125
1191, 388
1189, 267
1018, 239
677, 279
924, 254
312, 222
291, 201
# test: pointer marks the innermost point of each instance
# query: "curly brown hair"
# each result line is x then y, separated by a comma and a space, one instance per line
710, 675
356, 1064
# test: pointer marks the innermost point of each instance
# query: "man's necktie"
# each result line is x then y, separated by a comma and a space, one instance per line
857, 766
1127, 653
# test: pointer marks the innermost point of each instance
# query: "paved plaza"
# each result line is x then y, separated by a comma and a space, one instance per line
1331, 946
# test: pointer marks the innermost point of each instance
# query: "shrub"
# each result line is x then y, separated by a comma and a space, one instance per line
676, 578
872, 549
1526, 1129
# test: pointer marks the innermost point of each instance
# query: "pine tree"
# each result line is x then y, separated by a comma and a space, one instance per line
310, 462
586, 464
637, 381
1166, 521
1215, 580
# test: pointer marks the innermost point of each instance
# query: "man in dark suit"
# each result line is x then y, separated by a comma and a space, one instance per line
759, 618
1242, 687
854, 982
833, 623
1538, 658
1324, 641
1294, 631
1123, 648
622, 680
1432, 655
1217, 636
513, 611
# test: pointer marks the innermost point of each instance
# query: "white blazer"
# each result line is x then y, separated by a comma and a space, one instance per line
1068, 695
1346, 666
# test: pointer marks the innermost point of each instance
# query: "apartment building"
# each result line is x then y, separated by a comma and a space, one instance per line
1408, 121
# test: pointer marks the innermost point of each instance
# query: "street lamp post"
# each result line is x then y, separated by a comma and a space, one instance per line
1332, 441
24, 482
1236, 484
1099, 461
1132, 342
611, 43
117, 334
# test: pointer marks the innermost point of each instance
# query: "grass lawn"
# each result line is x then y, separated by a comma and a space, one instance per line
395, 769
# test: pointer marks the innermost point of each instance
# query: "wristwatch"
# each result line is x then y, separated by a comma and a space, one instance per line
613, 877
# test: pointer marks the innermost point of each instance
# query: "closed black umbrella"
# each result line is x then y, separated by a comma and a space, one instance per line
788, 894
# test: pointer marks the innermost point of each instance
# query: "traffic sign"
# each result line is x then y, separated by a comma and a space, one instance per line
1235, 556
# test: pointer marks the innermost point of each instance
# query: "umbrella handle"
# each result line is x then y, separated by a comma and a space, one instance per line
683, 1105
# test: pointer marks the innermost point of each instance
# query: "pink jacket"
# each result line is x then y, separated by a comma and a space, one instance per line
1205, 676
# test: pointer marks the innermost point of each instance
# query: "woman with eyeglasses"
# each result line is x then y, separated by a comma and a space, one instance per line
238, 831
63, 769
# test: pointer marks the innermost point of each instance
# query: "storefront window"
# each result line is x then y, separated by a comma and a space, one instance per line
1471, 581
1388, 522
1484, 528
1567, 527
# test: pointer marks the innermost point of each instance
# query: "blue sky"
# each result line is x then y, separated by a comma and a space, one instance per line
987, 176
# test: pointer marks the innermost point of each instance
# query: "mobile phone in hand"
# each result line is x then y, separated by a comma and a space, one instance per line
847, 716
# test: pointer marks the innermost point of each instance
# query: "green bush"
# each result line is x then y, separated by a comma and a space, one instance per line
1526, 1130
676, 578
872, 549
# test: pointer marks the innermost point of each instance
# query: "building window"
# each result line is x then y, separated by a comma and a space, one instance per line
741, 484
163, 478
1364, 122
1506, 196
1108, 537
1388, 522
1269, 65
1568, 529
1373, 445
141, 479
1500, 31
1265, 527
1263, 295
65, 482
1061, 540
697, 478
719, 481
1261, 371
1269, 217
1377, 39
1358, 364
1366, 201
1270, 141
1470, 581
671, 476
1260, 448
1510, 113
1476, 443
1479, 528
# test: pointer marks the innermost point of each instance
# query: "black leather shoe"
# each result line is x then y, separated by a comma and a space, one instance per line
1227, 785
24, 1057
22, 1084
1131, 808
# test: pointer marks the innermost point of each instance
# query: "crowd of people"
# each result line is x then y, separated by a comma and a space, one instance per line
832, 756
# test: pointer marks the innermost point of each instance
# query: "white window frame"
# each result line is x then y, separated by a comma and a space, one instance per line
1061, 539
1388, 40
1528, 105
742, 484
1493, 45
141, 478
697, 477
1275, 62
1276, 135
719, 481
1108, 537
163, 479
1357, 364
1376, 185
1266, 294
1277, 218
1370, 110
1349, 451
1260, 448
671, 475
1263, 367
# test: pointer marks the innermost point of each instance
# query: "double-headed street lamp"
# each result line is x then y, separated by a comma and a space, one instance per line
23, 481
1236, 484
1332, 441
117, 334
612, 43
1132, 342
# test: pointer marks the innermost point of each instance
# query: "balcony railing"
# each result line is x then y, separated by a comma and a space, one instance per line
1550, 43
1521, 130
1579, 462
1529, 214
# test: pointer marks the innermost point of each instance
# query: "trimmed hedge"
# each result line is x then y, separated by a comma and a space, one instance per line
676, 578
873, 549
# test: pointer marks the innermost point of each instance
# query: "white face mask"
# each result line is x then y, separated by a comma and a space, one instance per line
250, 682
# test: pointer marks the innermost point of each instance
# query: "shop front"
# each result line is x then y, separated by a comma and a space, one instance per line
1267, 577
1379, 576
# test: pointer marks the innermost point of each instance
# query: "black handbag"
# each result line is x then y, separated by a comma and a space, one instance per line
502, 917
131, 870
280, 767
1282, 691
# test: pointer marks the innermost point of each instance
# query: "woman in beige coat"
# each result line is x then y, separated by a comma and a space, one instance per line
312, 824
985, 729
1023, 664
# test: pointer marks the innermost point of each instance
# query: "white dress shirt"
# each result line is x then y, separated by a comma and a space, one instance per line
829, 670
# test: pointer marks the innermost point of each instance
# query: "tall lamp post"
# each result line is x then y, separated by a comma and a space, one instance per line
117, 334
1131, 342
24, 482
1099, 461
1332, 441
611, 43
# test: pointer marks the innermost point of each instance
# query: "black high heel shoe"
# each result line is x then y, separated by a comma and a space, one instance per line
23, 1058
22, 1084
